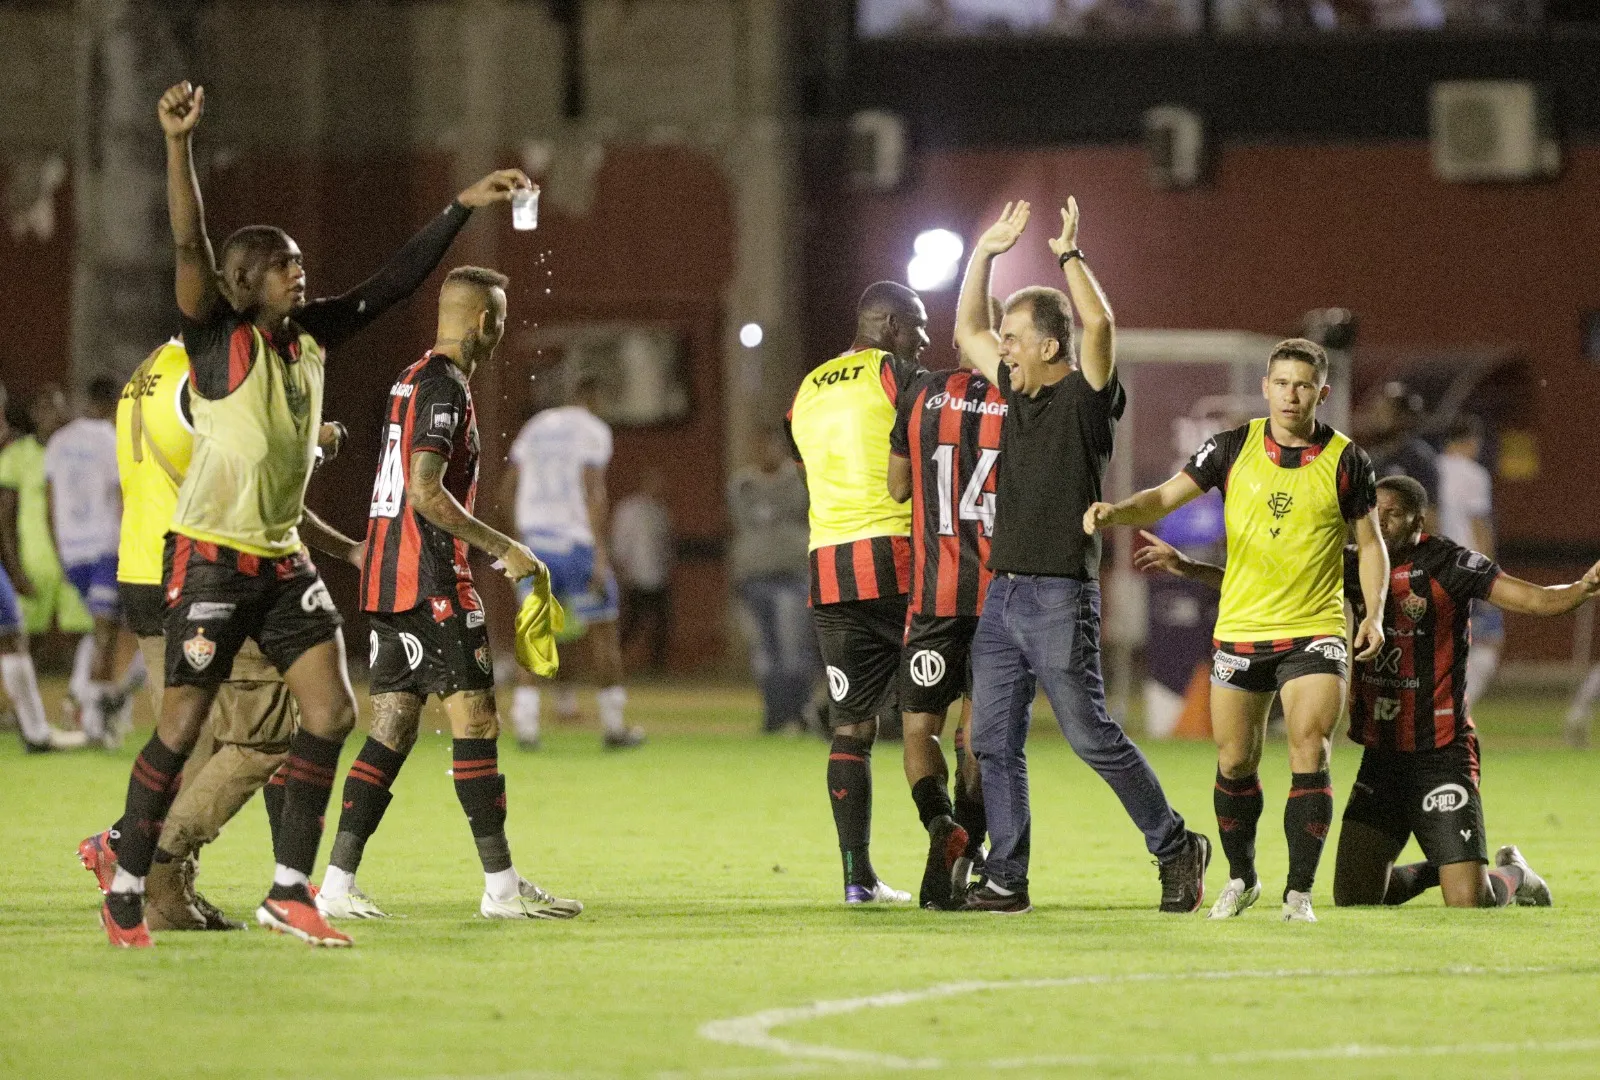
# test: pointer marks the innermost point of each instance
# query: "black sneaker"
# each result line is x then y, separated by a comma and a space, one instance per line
213, 916
626, 739
1183, 877
984, 898
946, 842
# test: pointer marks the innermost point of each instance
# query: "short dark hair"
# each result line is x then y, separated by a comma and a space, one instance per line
1301, 351
253, 243
104, 390
1412, 495
1051, 312
480, 276
889, 297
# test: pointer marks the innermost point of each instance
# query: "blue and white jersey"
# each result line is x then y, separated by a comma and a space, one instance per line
550, 453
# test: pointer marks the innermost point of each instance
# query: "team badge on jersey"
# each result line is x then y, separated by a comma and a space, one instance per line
1414, 607
1280, 503
199, 650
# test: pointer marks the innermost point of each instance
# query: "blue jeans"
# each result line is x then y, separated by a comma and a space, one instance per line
1046, 631
783, 646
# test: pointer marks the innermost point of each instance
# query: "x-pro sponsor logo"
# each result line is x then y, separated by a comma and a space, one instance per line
201, 610
838, 683
1332, 648
1223, 665
1445, 799
926, 667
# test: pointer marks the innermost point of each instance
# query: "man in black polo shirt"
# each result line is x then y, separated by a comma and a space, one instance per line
1041, 618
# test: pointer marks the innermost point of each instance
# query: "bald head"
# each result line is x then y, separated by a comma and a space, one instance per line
472, 314
891, 317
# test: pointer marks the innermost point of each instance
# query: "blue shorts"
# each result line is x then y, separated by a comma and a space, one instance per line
1488, 624
96, 582
10, 610
569, 583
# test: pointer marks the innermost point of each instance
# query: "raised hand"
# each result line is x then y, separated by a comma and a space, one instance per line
180, 109
1003, 235
1069, 229
496, 187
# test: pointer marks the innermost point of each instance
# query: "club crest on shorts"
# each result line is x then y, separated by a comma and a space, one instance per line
838, 683
926, 667
485, 661
1414, 607
1445, 799
199, 650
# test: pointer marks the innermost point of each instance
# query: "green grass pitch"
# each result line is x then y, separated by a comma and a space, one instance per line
715, 945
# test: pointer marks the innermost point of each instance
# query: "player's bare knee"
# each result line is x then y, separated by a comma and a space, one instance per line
472, 715
865, 729
396, 720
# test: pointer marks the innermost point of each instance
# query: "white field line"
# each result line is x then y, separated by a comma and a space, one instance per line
755, 1031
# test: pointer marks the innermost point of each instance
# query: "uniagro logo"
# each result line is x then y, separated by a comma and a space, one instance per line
1445, 799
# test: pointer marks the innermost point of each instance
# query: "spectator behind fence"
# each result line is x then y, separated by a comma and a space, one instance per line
770, 568
641, 551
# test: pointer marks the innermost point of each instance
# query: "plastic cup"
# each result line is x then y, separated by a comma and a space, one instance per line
525, 209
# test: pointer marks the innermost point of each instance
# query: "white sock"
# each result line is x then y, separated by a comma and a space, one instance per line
336, 882
82, 661
611, 701
125, 882
92, 710
22, 685
502, 884
525, 712
282, 875
567, 701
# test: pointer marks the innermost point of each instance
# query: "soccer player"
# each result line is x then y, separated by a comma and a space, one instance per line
943, 451
1290, 486
428, 632
235, 565
1419, 768
839, 427
558, 487
85, 500
1041, 617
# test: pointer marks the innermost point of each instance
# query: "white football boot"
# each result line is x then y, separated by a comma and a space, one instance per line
1297, 907
354, 904
531, 902
1235, 899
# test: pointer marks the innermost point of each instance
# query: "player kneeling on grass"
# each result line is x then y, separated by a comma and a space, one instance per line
1419, 771
428, 632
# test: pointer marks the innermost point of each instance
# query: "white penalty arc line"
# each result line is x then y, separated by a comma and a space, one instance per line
755, 1031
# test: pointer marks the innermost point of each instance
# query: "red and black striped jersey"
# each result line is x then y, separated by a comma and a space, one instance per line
948, 426
409, 560
1413, 696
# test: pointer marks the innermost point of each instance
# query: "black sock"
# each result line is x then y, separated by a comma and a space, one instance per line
1504, 881
307, 785
970, 815
1409, 881
482, 793
366, 797
1307, 817
272, 797
932, 799
1238, 805
152, 786
850, 792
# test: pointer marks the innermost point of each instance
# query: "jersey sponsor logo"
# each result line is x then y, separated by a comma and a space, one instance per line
316, 598
838, 683
402, 390
1414, 607
201, 610
474, 619
443, 418
485, 661
1331, 647
1388, 661
1386, 710
1473, 561
441, 607
199, 650
1223, 665
413, 647
1280, 503
927, 667
839, 375
958, 404
1445, 799
936, 401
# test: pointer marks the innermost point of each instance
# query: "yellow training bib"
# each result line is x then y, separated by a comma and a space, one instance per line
154, 442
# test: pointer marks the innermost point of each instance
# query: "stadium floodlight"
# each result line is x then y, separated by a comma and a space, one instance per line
751, 334
937, 260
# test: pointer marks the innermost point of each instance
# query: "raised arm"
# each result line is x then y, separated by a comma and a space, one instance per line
1160, 555
1372, 562
974, 336
1525, 598
1097, 351
429, 497
196, 279
1143, 507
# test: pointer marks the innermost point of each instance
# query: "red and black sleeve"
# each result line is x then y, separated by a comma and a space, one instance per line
221, 351
1467, 575
1210, 465
439, 407
1358, 483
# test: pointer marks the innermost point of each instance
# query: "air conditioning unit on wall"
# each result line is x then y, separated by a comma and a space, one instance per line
1492, 130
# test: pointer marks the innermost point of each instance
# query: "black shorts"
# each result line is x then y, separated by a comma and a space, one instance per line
860, 643
431, 649
1432, 794
217, 597
937, 665
144, 608
1262, 667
